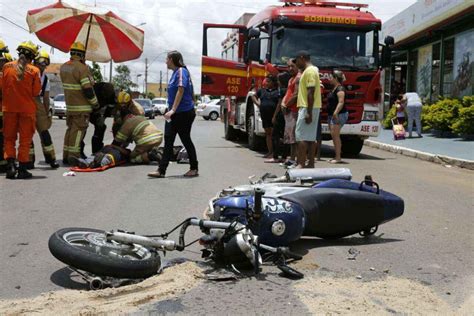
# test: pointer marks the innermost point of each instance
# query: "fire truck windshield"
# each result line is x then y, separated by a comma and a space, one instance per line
329, 48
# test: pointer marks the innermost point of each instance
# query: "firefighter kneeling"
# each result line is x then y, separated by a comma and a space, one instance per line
43, 120
146, 136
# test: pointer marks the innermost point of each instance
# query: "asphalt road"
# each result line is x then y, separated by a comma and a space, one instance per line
432, 242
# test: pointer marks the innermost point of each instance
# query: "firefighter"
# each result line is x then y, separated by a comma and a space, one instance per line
143, 133
21, 83
43, 120
80, 100
4, 58
3, 47
125, 103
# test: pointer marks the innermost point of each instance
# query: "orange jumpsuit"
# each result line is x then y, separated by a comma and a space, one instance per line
19, 108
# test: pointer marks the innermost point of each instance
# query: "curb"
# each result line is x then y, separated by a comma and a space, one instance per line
443, 160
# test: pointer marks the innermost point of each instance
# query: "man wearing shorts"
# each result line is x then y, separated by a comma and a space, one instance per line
309, 105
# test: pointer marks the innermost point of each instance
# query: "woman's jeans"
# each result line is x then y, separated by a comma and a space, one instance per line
414, 113
180, 124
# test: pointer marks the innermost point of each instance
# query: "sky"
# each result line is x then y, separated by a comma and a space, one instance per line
168, 25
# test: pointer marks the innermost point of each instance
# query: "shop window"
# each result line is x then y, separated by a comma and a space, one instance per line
448, 74
436, 64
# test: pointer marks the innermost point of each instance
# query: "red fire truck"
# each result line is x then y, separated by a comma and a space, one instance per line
337, 35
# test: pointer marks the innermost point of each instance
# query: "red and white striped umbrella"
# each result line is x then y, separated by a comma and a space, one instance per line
105, 35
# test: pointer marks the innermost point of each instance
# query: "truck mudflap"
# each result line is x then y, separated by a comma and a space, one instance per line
363, 129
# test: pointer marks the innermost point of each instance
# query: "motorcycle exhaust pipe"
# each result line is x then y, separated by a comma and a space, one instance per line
257, 206
96, 284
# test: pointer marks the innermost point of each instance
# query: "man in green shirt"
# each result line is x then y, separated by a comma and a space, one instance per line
309, 105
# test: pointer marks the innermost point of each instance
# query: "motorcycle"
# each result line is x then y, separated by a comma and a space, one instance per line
243, 224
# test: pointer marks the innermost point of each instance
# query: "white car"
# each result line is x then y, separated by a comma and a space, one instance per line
59, 106
160, 105
209, 110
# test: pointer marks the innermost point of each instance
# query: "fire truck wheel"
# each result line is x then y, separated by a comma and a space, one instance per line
351, 146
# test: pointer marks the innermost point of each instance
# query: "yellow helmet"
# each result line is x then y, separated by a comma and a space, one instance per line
3, 47
42, 58
28, 48
78, 47
123, 97
6, 56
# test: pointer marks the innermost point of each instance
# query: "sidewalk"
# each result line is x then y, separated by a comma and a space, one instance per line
453, 151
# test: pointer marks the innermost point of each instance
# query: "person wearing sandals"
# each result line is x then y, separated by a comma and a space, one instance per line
337, 112
180, 115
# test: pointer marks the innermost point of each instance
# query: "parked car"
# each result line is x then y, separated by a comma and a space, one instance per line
147, 107
160, 105
209, 110
51, 107
59, 107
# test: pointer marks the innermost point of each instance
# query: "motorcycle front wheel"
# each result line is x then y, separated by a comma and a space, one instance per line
88, 249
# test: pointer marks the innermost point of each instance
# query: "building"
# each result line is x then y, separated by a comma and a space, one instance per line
231, 43
159, 90
434, 49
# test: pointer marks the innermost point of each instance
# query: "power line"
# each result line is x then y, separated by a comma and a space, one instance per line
10, 21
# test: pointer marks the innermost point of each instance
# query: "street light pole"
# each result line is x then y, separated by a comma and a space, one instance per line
138, 75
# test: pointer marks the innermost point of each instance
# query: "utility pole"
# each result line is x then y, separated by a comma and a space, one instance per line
161, 79
146, 76
110, 71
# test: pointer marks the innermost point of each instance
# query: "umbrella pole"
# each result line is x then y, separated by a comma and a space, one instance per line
88, 31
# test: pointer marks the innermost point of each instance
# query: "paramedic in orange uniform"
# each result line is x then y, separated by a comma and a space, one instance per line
21, 83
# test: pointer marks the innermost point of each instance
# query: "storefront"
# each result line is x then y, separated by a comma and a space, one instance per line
434, 50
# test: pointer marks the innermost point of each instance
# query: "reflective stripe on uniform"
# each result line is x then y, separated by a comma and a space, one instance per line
71, 86
137, 129
32, 151
85, 81
93, 100
48, 148
121, 136
148, 139
78, 108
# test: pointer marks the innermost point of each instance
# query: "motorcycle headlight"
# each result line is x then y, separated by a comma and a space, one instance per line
370, 116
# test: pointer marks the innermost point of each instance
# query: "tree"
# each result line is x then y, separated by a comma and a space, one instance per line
95, 70
122, 79
150, 95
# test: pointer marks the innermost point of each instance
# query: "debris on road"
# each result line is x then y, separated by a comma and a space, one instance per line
353, 253
372, 269
69, 174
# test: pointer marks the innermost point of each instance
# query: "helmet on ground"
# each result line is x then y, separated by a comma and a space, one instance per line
123, 97
3, 47
6, 56
42, 58
28, 48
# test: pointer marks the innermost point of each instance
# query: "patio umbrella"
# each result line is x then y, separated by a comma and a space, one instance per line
105, 35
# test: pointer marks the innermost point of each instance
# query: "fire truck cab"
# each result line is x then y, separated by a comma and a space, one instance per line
337, 35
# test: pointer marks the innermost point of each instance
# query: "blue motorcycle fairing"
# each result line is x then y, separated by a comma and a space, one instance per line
273, 209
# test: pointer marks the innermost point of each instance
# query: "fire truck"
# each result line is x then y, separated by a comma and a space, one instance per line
337, 35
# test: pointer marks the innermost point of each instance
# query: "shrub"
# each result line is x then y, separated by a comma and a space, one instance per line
441, 115
468, 101
464, 125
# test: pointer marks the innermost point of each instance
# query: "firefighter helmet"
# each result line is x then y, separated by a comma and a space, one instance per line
28, 48
78, 47
123, 97
3, 47
6, 56
42, 58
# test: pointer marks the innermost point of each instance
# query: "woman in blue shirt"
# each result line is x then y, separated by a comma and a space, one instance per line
180, 115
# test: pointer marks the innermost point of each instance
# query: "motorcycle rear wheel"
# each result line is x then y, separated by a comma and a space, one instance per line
88, 249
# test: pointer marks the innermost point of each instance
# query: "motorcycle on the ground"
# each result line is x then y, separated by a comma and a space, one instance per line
242, 224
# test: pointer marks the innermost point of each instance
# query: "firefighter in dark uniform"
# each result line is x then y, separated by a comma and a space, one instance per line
43, 120
4, 58
80, 98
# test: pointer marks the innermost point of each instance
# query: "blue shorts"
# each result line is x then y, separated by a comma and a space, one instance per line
306, 132
341, 119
